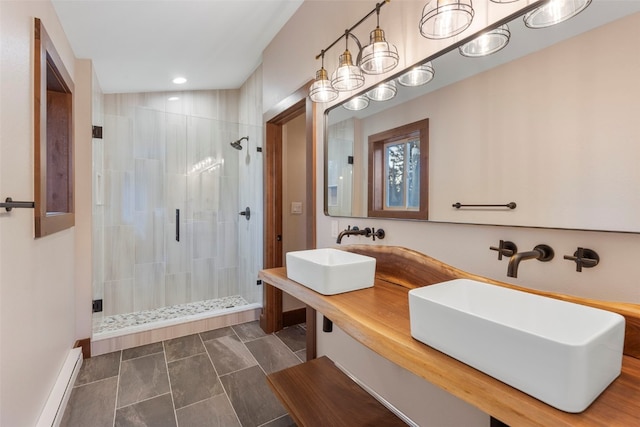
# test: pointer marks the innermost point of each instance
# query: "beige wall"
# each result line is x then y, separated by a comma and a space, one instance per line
294, 226
294, 185
37, 276
464, 246
84, 100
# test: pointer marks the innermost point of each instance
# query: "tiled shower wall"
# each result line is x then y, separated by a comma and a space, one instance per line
251, 182
158, 156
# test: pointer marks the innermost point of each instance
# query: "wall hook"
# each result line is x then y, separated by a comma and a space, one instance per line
584, 258
246, 213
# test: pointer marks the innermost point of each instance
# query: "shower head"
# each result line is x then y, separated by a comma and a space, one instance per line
237, 145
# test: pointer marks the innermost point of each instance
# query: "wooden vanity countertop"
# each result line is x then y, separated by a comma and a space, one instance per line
378, 317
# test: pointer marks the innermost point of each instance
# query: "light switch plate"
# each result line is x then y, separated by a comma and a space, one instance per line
296, 208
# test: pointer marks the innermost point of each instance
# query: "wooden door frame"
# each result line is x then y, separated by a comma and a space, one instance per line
291, 107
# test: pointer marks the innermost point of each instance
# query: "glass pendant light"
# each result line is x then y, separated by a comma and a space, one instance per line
378, 56
358, 103
347, 76
383, 92
417, 76
554, 12
321, 89
445, 18
487, 43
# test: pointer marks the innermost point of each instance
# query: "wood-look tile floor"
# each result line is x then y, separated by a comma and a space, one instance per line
215, 378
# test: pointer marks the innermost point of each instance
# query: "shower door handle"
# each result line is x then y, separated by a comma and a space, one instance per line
177, 225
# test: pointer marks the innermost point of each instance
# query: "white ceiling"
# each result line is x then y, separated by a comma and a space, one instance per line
141, 45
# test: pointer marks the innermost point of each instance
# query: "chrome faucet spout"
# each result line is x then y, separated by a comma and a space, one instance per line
542, 253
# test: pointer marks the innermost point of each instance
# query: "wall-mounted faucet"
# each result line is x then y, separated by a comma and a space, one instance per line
355, 231
366, 232
542, 253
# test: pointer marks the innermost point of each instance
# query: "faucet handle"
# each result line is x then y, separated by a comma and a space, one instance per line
379, 233
584, 257
505, 248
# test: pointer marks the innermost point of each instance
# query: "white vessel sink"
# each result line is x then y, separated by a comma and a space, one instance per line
331, 271
561, 353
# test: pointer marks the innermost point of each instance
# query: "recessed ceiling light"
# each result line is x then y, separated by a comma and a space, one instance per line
179, 80
173, 98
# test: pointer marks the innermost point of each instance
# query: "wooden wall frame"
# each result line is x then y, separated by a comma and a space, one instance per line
53, 138
294, 105
376, 177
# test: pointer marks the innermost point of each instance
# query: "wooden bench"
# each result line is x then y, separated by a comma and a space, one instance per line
317, 393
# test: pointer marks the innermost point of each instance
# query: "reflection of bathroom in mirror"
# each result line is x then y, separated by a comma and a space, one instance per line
548, 130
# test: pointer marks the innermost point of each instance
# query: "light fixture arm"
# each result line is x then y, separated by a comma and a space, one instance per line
349, 32
359, 56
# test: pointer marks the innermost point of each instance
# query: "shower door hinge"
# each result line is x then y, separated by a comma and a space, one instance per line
259, 149
96, 305
96, 132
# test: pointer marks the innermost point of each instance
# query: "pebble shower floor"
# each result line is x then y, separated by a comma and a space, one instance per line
120, 322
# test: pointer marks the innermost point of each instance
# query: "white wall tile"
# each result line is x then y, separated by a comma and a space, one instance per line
177, 254
119, 252
149, 184
149, 134
149, 236
203, 279
178, 288
118, 143
118, 297
149, 286
118, 197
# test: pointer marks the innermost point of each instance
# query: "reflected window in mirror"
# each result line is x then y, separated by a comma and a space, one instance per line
399, 172
402, 176
340, 162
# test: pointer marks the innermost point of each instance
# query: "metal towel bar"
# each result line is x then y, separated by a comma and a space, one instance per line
510, 205
9, 204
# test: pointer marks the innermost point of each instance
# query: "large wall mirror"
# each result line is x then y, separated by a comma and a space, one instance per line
548, 123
